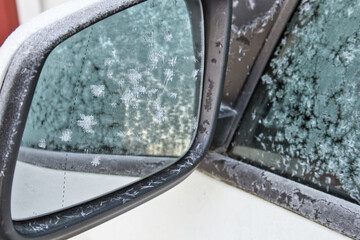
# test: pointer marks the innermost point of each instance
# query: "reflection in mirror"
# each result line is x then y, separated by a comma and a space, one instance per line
114, 103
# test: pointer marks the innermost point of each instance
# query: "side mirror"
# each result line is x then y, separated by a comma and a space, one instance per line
111, 108
127, 91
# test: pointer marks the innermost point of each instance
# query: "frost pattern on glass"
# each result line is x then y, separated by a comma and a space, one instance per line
127, 85
307, 108
119, 98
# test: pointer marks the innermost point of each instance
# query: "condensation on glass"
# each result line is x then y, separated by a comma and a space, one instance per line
123, 93
303, 120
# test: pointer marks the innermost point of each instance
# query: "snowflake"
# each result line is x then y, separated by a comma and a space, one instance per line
141, 89
110, 75
155, 57
127, 97
195, 123
172, 61
190, 59
194, 73
173, 95
147, 72
121, 134
152, 91
251, 4
169, 74
137, 138
66, 135
113, 104
98, 90
134, 76
159, 111
42, 143
96, 161
87, 123
105, 42
168, 37
108, 62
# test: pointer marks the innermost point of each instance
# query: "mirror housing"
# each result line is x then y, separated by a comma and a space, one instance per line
19, 76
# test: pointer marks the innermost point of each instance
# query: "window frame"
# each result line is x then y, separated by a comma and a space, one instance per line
326, 209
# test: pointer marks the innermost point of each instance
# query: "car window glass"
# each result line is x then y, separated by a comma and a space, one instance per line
303, 119
114, 103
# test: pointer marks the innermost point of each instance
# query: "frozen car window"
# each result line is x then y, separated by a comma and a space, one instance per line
303, 120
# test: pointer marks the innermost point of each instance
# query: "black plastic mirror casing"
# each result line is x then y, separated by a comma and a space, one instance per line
15, 98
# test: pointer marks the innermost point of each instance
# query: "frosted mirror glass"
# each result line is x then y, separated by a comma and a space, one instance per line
114, 103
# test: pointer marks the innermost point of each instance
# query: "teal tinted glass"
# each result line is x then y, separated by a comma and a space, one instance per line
128, 85
303, 120
114, 103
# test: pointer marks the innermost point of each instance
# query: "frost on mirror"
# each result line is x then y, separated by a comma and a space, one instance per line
304, 120
114, 103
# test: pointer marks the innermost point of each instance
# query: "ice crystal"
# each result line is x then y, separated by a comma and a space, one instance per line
134, 76
105, 42
121, 134
113, 104
66, 135
173, 95
168, 37
159, 111
97, 90
87, 123
191, 59
152, 91
251, 4
195, 73
195, 123
96, 161
42, 143
127, 97
172, 61
169, 75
